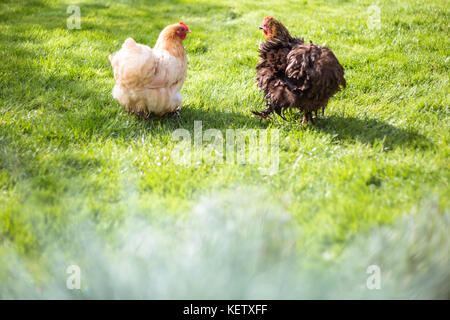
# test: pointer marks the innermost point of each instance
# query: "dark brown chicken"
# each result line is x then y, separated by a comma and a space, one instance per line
293, 74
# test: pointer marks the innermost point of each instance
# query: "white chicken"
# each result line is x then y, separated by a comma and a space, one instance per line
149, 80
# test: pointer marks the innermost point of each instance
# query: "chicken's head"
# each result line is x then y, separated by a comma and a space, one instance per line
273, 28
177, 31
182, 30
266, 25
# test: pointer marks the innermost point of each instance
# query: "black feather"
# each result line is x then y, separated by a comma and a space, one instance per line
293, 74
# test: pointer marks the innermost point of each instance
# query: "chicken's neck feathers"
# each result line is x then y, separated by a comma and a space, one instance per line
171, 44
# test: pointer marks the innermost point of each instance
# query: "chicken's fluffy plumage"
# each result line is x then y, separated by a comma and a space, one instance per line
293, 74
149, 80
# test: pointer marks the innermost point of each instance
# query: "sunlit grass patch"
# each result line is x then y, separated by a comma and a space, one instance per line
70, 154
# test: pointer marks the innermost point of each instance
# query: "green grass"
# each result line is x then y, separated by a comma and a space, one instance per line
70, 153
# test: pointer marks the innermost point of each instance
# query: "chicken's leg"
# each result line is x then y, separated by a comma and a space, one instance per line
316, 112
307, 116
304, 119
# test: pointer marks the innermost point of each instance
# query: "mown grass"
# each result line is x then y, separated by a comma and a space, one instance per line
69, 152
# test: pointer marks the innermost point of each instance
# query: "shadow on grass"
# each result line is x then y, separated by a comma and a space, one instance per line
371, 131
216, 119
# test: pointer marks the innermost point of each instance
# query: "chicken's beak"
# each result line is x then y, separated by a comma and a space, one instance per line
189, 31
261, 27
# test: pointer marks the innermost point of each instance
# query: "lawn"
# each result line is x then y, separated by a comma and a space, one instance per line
80, 178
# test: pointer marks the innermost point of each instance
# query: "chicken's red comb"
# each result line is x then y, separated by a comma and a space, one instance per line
268, 19
182, 23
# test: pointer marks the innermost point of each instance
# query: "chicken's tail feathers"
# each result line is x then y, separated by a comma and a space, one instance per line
134, 65
129, 43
